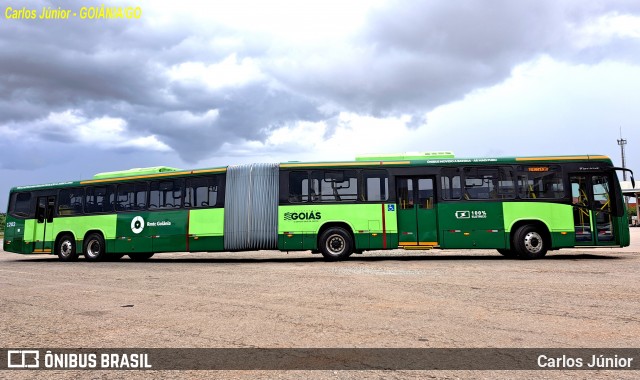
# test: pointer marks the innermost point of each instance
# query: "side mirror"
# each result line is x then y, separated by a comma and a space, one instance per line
633, 181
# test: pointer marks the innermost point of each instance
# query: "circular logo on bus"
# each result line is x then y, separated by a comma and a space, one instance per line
137, 224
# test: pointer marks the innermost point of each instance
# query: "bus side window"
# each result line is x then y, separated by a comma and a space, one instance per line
540, 182
132, 196
488, 183
404, 192
41, 209
298, 187
165, 194
201, 192
124, 198
70, 201
97, 199
375, 185
21, 205
450, 183
334, 185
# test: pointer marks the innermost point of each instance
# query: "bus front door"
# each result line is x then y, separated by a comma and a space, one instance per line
593, 219
43, 233
417, 219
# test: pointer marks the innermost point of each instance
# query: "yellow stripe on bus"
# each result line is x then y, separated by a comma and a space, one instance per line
220, 170
358, 163
413, 243
562, 158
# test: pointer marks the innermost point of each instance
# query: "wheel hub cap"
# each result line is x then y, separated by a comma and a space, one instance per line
65, 248
336, 244
533, 242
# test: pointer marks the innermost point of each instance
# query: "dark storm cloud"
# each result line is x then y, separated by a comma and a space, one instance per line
414, 56
409, 58
246, 113
119, 69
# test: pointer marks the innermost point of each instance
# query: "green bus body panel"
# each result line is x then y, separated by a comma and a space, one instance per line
622, 231
471, 224
160, 231
80, 225
27, 236
489, 224
299, 225
14, 235
557, 217
206, 230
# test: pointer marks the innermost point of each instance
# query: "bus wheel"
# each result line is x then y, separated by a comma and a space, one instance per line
528, 243
142, 256
66, 248
336, 244
94, 249
507, 252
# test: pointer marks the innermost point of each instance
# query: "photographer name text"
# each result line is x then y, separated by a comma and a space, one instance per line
84, 13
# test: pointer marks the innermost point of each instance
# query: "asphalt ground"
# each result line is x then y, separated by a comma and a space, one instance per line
386, 299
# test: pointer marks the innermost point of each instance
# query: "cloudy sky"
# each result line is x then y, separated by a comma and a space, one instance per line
197, 84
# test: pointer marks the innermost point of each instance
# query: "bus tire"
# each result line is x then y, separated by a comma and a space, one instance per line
94, 247
529, 243
66, 248
140, 256
335, 244
507, 252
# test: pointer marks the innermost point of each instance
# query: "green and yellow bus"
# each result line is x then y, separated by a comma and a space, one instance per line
521, 206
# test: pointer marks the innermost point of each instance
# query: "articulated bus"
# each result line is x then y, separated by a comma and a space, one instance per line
520, 206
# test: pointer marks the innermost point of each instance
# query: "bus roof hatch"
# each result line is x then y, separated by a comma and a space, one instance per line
406, 156
135, 172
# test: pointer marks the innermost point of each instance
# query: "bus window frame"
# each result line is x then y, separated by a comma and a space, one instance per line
58, 198
176, 180
442, 191
132, 183
561, 171
496, 194
110, 189
217, 180
12, 203
363, 187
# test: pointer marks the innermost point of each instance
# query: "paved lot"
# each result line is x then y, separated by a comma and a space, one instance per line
573, 298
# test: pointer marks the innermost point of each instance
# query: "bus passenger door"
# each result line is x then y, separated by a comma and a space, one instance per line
593, 220
43, 234
603, 220
417, 219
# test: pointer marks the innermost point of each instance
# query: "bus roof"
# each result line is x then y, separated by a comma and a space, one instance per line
136, 172
405, 156
362, 161
452, 161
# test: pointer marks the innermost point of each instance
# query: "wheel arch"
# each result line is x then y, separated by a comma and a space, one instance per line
62, 233
93, 231
332, 224
542, 226
98, 255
